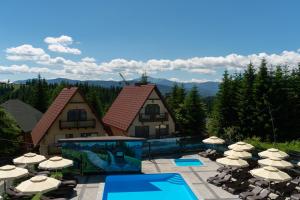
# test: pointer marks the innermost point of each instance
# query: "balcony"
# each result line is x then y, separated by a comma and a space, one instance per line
153, 117
63, 124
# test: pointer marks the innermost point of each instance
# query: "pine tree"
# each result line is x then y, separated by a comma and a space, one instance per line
246, 102
40, 95
194, 113
94, 101
261, 90
9, 134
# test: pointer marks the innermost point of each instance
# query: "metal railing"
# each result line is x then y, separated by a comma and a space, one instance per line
143, 117
64, 124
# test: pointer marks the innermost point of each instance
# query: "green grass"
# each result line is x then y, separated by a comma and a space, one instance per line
283, 146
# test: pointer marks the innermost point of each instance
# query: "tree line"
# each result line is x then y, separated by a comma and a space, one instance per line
261, 102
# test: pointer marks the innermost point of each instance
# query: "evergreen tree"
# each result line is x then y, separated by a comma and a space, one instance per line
262, 88
94, 101
246, 102
194, 113
40, 95
9, 134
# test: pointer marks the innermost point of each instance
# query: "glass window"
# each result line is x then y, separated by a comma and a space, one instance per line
77, 115
152, 109
142, 131
69, 135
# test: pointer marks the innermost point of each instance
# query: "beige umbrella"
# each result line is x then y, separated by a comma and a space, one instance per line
232, 161
243, 145
238, 152
38, 184
55, 163
11, 172
213, 140
272, 152
270, 174
29, 158
275, 162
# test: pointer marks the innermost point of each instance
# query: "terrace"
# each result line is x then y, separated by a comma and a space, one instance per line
91, 187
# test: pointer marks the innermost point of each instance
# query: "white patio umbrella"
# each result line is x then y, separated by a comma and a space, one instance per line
298, 163
11, 172
55, 163
38, 184
243, 145
29, 159
272, 152
275, 162
213, 140
232, 161
270, 173
238, 152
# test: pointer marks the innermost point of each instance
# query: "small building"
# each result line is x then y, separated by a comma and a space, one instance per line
140, 111
111, 154
26, 117
69, 116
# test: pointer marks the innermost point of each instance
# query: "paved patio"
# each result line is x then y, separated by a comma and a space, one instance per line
91, 187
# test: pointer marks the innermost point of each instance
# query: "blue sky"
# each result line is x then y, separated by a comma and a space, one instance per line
173, 39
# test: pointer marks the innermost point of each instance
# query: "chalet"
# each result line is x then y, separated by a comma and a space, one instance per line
140, 111
68, 116
26, 118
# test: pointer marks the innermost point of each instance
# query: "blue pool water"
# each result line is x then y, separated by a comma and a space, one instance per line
184, 162
168, 186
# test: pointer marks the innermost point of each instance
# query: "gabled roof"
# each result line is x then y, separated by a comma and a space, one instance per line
127, 105
25, 115
52, 113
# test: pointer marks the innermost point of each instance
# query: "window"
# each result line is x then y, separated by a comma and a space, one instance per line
142, 131
88, 134
161, 130
69, 135
77, 115
152, 109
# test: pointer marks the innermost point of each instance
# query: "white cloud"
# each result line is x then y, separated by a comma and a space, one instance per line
193, 80
61, 44
25, 52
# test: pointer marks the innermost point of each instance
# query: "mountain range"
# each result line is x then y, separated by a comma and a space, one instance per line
205, 89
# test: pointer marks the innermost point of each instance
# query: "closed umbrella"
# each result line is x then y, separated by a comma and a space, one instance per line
38, 184
11, 172
272, 152
243, 145
232, 161
238, 152
55, 163
270, 173
275, 162
213, 140
29, 158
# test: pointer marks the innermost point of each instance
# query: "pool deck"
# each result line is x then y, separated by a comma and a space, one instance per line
91, 187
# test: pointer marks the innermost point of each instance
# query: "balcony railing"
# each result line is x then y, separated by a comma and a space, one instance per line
63, 124
153, 117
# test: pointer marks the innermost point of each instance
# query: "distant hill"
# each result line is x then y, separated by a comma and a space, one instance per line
209, 88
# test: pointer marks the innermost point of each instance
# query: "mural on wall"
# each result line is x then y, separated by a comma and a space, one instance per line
104, 156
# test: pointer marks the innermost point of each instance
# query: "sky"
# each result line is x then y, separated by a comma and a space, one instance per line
187, 41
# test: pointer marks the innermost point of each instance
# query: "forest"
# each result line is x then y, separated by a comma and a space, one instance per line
260, 104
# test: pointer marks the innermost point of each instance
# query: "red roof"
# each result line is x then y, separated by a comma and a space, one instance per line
52, 113
127, 105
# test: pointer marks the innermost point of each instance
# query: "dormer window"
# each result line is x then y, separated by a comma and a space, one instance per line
77, 115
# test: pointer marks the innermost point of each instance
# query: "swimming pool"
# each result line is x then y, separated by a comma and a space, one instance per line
185, 162
147, 187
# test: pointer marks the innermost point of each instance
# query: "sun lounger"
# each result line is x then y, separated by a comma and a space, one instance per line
262, 183
13, 194
218, 176
296, 181
262, 195
252, 192
219, 182
205, 153
50, 198
253, 180
286, 190
235, 187
295, 196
